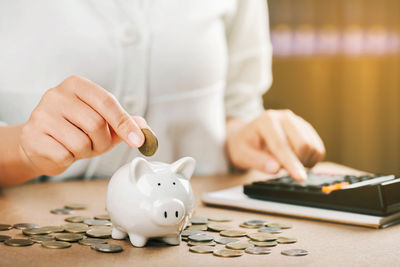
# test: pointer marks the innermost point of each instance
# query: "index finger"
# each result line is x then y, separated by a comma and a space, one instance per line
109, 108
276, 141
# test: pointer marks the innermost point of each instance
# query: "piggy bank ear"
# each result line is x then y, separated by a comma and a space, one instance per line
139, 167
185, 166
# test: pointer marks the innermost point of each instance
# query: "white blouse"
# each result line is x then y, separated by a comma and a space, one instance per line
184, 65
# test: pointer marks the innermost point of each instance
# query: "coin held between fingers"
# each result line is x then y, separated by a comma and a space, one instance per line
150, 144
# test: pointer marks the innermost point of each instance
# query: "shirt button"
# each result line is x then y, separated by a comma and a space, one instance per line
129, 35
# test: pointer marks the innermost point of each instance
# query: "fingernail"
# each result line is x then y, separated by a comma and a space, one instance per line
135, 139
272, 166
301, 173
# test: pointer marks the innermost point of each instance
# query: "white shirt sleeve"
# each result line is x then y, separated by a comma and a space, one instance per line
250, 56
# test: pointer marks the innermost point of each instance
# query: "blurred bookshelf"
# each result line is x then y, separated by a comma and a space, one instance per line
337, 64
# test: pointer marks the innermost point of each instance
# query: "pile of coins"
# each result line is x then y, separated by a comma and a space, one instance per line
210, 235
85, 231
256, 237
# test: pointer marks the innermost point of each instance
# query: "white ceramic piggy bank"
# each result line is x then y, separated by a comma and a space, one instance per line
151, 200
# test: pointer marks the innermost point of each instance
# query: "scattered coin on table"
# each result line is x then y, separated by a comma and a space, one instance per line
76, 219
263, 243
61, 211
76, 228
202, 249
4, 238
228, 253
92, 241
201, 238
99, 232
40, 239
18, 242
56, 244
68, 237
96, 222
225, 240
198, 220
257, 250
232, 233
204, 235
272, 230
76, 206
294, 252
239, 245
219, 219
218, 227
286, 240
107, 248
5, 227
104, 217
199, 243
150, 144
197, 227
21, 226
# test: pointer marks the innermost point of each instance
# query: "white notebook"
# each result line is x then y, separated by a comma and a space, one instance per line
235, 198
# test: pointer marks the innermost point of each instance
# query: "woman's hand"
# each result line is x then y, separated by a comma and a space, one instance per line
77, 119
277, 138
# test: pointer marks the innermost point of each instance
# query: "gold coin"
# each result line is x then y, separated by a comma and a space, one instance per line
261, 236
150, 144
239, 245
280, 225
197, 227
40, 239
68, 237
92, 241
227, 253
61, 211
199, 243
201, 238
263, 243
5, 227
76, 206
22, 226
76, 227
198, 220
55, 244
76, 219
36, 231
97, 222
18, 242
100, 232
202, 249
286, 240
100, 227
232, 233
219, 219
249, 226
225, 240
4, 238
52, 229
218, 227
102, 217
186, 233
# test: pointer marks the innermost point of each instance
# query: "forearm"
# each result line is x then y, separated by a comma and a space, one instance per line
14, 166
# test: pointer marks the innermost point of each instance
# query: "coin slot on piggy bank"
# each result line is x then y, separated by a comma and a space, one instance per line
148, 200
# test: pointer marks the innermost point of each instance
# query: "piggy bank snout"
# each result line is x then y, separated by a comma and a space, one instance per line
168, 212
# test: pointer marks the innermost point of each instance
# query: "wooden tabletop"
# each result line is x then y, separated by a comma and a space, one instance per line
329, 244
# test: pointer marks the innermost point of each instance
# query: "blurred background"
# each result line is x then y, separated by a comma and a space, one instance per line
337, 64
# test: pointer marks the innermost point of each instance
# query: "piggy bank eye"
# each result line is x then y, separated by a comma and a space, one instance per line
173, 183
159, 184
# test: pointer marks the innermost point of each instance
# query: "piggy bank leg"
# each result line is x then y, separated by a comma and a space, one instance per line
137, 240
172, 240
118, 234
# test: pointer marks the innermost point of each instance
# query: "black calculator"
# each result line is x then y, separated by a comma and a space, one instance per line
367, 194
